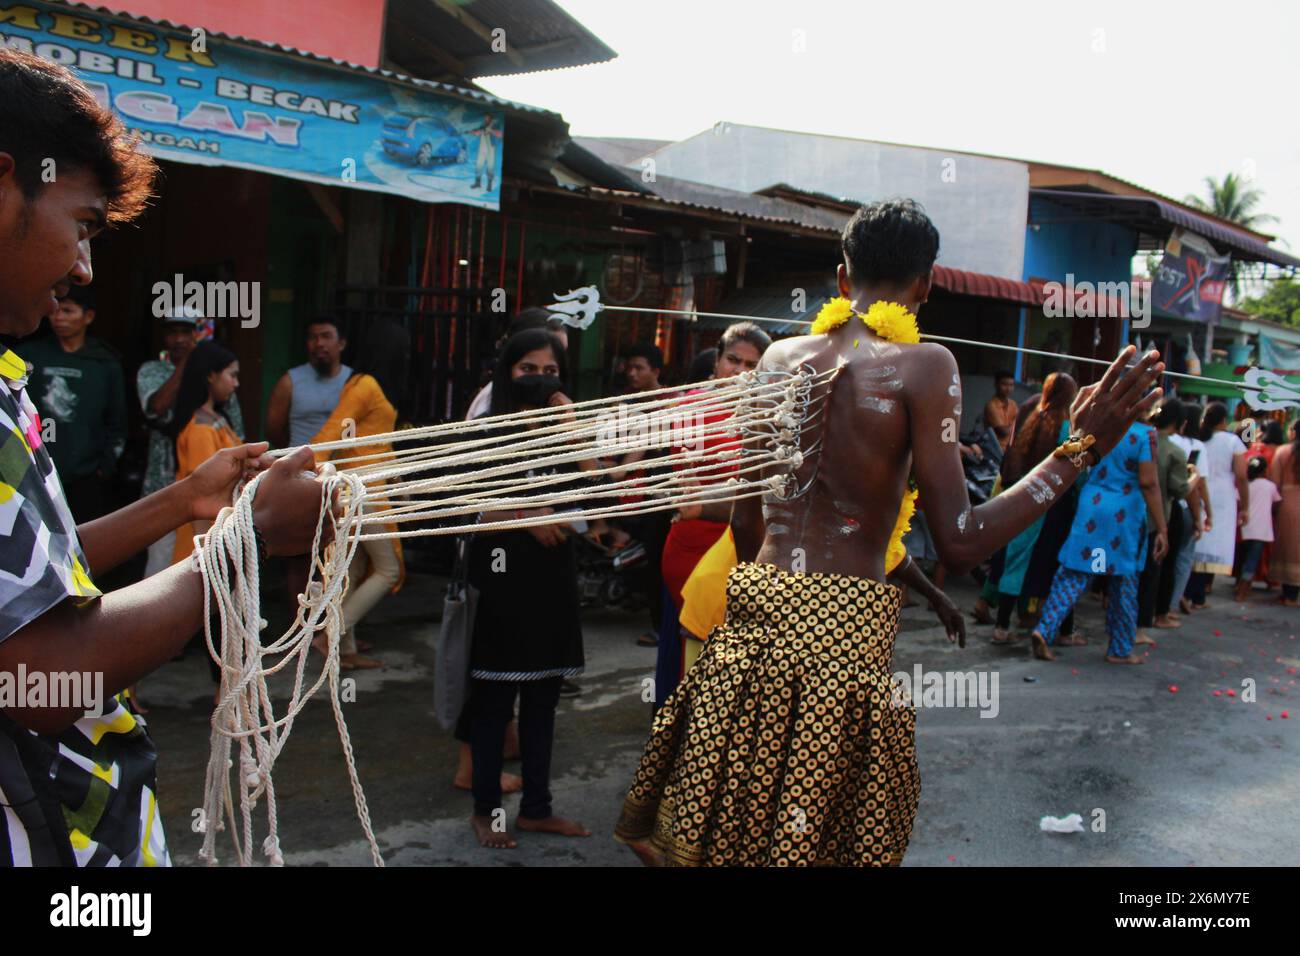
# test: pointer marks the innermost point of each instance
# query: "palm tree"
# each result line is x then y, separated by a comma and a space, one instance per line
1235, 201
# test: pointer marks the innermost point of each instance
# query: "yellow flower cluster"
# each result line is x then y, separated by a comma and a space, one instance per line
895, 552
832, 315
893, 323
889, 320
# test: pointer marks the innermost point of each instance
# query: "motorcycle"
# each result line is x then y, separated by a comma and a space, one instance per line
981, 472
607, 577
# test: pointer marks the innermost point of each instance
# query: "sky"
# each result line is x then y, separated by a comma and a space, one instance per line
1161, 94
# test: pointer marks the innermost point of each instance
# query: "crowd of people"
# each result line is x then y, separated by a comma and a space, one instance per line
1180, 501
1098, 487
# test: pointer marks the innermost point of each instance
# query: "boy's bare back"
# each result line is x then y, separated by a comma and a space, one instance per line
843, 522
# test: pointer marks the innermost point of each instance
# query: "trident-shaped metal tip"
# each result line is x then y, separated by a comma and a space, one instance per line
1269, 390
578, 307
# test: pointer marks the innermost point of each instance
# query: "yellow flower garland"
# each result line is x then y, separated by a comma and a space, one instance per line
893, 323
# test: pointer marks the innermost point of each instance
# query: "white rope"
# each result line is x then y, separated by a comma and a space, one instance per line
227, 558
755, 423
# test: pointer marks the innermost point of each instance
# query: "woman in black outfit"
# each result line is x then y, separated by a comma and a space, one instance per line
527, 632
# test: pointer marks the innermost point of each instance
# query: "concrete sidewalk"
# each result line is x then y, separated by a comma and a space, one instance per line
1182, 778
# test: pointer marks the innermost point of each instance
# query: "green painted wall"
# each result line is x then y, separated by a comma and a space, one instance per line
301, 265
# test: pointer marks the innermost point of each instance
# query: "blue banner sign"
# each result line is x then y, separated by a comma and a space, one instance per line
195, 99
1190, 279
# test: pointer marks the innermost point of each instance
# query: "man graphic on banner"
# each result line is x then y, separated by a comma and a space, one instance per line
486, 160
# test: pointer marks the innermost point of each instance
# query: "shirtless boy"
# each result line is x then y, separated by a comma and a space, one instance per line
782, 745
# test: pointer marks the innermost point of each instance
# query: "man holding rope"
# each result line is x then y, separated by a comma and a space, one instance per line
78, 789
783, 744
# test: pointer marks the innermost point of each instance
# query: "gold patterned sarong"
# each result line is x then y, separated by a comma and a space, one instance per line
784, 745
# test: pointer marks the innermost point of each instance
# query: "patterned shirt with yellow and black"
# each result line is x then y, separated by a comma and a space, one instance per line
85, 796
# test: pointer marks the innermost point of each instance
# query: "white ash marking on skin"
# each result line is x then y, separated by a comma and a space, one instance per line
1039, 490
888, 350
955, 388
956, 411
847, 529
893, 385
777, 529
961, 521
883, 405
981, 526
770, 512
883, 371
1055, 478
847, 508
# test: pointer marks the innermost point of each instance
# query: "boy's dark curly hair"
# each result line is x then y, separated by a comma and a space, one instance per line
47, 113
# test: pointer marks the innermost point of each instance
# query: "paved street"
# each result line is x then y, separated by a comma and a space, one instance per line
1183, 778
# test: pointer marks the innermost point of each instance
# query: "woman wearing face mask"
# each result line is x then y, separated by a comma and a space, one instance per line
527, 633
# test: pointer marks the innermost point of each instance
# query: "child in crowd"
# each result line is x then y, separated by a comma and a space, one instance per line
1258, 529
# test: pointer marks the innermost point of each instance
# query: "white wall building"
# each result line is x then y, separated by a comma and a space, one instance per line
979, 203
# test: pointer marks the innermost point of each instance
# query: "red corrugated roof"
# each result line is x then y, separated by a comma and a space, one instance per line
961, 282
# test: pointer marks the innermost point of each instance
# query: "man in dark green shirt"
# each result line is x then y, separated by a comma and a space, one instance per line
79, 389
1156, 586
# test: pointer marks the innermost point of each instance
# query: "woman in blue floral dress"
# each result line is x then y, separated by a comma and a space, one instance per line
1108, 536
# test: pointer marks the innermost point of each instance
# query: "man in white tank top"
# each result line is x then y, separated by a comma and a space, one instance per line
305, 396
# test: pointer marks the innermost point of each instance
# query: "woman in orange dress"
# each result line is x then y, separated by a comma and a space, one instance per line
200, 430
199, 425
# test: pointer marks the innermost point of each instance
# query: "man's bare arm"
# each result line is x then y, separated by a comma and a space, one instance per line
127, 633
124, 635
165, 397
277, 412
950, 616
964, 536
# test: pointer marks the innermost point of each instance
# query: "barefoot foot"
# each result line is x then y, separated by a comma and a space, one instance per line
646, 853
1112, 659
489, 837
1041, 650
